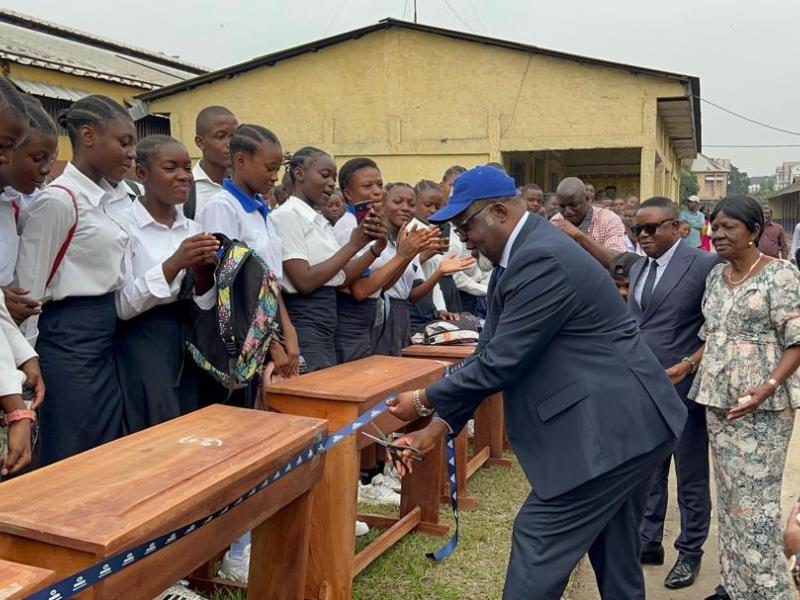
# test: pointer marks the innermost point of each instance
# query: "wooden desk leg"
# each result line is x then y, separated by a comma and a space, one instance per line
422, 487
490, 430
465, 501
279, 553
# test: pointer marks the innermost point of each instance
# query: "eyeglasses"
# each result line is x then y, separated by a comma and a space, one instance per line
649, 228
463, 229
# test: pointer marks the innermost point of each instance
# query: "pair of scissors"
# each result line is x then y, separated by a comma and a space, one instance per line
395, 450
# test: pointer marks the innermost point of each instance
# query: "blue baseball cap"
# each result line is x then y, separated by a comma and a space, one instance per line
479, 183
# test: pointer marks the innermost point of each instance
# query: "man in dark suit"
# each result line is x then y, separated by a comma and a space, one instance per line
665, 296
589, 411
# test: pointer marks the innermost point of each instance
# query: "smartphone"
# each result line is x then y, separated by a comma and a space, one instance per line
362, 209
444, 235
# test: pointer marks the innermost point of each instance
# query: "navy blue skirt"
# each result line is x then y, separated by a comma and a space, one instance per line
314, 317
354, 322
83, 406
395, 333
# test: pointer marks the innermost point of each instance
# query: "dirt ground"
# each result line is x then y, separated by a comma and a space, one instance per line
584, 587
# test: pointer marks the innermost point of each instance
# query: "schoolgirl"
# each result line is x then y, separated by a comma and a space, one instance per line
157, 383
70, 258
314, 264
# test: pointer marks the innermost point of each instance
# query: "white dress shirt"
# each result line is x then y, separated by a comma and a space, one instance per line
511, 239
429, 268
344, 227
11, 378
92, 265
662, 262
401, 290
151, 243
306, 235
123, 197
205, 188
21, 350
473, 280
9, 240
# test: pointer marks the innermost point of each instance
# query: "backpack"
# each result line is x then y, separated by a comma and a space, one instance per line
231, 340
463, 330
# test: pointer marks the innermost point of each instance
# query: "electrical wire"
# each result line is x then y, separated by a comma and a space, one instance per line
463, 22
748, 119
477, 16
335, 15
405, 8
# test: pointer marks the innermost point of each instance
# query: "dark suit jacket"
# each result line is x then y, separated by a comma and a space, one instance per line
674, 316
583, 392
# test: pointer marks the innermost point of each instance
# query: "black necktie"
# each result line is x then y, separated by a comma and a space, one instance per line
497, 273
649, 284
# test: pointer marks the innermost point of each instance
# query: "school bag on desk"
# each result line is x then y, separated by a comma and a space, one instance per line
463, 330
231, 340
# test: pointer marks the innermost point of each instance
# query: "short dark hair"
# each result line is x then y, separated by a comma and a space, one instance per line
742, 208
454, 170
530, 187
662, 202
38, 119
351, 166
396, 184
208, 113
302, 158
246, 138
426, 184
150, 145
91, 110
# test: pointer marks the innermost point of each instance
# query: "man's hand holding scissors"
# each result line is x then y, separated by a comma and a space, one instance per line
423, 440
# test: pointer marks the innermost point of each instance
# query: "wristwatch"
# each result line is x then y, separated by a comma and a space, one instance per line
422, 410
692, 362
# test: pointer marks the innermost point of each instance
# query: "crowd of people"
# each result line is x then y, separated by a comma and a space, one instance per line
103, 267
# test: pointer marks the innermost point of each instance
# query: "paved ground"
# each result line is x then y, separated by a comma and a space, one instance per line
585, 588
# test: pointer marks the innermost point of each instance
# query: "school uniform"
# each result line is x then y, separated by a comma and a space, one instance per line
11, 378
344, 227
204, 188
393, 332
427, 309
74, 335
472, 283
307, 235
9, 241
158, 380
124, 193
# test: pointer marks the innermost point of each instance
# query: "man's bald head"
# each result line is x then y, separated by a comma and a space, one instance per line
571, 198
205, 117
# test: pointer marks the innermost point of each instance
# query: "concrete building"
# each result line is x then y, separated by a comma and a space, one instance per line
419, 99
59, 65
785, 206
712, 177
786, 174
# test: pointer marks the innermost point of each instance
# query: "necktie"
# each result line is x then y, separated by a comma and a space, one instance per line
497, 274
649, 284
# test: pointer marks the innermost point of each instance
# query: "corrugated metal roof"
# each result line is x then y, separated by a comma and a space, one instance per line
37, 88
28, 41
792, 189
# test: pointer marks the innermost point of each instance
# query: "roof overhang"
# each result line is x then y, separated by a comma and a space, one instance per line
48, 90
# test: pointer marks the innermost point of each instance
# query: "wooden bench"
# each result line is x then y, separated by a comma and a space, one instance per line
489, 426
340, 394
80, 511
18, 581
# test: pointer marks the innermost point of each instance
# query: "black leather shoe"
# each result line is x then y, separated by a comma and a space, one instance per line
719, 594
683, 573
653, 557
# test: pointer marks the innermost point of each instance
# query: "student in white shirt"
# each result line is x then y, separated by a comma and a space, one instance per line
157, 380
409, 285
214, 127
313, 262
239, 211
26, 174
13, 129
76, 328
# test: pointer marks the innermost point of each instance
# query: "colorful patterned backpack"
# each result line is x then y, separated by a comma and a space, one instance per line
231, 340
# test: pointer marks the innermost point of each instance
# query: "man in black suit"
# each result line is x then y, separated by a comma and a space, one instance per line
589, 411
665, 296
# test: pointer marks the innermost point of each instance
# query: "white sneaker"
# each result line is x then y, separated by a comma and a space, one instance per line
361, 528
471, 428
237, 567
180, 591
390, 478
378, 492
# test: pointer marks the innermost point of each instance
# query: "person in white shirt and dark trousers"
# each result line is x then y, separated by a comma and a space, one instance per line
70, 258
158, 378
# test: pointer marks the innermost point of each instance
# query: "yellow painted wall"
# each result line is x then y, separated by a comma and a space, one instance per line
409, 98
92, 86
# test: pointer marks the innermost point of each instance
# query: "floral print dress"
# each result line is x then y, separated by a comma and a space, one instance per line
747, 328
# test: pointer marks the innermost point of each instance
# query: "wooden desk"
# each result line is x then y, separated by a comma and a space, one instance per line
489, 426
340, 394
19, 581
75, 513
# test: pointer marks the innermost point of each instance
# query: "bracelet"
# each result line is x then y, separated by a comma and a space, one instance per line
774, 383
375, 254
422, 411
691, 362
19, 415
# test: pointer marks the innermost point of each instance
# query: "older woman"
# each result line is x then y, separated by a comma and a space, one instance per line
747, 378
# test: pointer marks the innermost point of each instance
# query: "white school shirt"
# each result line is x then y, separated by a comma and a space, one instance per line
473, 280
123, 197
9, 240
21, 350
223, 213
307, 235
11, 379
402, 288
429, 268
205, 188
150, 244
663, 263
92, 265
344, 227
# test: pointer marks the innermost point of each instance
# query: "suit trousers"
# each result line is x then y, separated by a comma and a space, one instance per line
601, 517
694, 495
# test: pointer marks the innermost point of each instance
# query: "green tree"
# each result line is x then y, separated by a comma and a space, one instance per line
738, 182
767, 188
688, 183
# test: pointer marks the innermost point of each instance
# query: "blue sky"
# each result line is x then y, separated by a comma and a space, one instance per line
745, 53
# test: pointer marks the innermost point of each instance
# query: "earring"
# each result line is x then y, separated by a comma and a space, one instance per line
750, 243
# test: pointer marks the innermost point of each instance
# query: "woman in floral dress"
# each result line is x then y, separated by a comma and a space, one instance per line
747, 378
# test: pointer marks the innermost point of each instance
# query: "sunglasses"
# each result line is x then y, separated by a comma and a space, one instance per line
650, 228
463, 229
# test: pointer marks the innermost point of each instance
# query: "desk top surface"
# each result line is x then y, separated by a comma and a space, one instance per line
16, 578
450, 353
146, 483
362, 381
